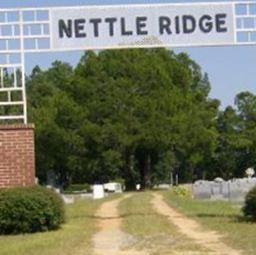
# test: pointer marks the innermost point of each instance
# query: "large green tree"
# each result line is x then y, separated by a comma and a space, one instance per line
135, 114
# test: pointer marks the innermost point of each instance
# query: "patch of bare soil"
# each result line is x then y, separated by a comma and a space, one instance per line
209, 240
110, 239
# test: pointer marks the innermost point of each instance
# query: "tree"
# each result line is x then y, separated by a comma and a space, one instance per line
126, 114
246, 107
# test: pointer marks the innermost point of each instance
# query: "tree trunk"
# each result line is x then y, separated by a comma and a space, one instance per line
146, 178
129, 170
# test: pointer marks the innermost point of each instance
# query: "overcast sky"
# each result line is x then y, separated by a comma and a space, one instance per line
231, 69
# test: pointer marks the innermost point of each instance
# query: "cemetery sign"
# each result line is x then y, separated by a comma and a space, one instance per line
142, 26
29, 30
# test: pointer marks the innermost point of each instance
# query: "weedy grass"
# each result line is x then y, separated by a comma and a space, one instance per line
74, 237
224, 217
152, 231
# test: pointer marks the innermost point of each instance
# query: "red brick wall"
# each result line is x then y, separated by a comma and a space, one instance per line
17, 155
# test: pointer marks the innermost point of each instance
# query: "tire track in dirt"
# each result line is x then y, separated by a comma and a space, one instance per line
111, 239
208, 239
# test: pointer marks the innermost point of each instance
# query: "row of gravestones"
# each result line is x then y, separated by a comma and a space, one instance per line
233, 190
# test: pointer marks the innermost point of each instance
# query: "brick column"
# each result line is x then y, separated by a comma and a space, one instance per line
17, 156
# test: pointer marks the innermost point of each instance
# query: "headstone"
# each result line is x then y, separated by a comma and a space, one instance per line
202, 190
138, 187
68, 199
119, 188
236, 194
164, 186
215, 189
234, 190
51, 178
225, 189
98, 192
113, 187
218, 180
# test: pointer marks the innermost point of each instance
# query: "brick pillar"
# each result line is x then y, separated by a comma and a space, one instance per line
17, 155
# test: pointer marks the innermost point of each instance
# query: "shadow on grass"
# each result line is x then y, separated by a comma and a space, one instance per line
122, 216
244, 219
213, 215
231, 217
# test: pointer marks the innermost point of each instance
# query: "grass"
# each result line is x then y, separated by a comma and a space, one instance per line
151, 230
224, 217
74, 238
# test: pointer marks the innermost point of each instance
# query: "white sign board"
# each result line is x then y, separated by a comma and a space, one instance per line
102, 27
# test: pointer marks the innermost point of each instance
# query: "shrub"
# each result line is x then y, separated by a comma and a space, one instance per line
249, 208
29, 210
182, 192
77, 188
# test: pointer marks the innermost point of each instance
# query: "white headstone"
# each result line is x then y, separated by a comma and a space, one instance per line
68, 199
113, 187
98, 191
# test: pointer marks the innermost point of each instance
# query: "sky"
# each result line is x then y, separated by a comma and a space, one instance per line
231, 70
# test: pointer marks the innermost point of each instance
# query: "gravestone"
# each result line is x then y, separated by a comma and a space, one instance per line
225, 189
202, 190
113, 187
98, 191
51, 178
233, 190
138, 187
236, 193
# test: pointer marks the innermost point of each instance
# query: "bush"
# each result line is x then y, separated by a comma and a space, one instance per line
29, 210
182, 192
74, 188
249, 208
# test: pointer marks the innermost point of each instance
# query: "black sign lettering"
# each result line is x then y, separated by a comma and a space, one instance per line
111, 22
124, 30
79, 28
205, 24
140, 24
189, 24
177, 24
220, 21
65, 28
96, 23
165, 25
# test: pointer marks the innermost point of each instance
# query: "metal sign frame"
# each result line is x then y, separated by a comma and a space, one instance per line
28, 30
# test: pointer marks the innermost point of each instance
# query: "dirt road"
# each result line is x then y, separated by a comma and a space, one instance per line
207, 239
110, 239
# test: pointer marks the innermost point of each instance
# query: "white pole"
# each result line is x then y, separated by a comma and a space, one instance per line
23, 78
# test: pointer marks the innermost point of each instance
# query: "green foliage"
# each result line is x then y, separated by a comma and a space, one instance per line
181, 192
119, 180
139, 115
121, 114
29, 210
249, 208
73, 188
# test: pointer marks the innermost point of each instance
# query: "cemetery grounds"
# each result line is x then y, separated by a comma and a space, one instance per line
143, 223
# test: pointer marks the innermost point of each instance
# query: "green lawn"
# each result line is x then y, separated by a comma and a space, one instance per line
74, 238
151, 230
223, 217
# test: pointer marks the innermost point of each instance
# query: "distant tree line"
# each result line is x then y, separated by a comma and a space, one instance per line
139, 115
